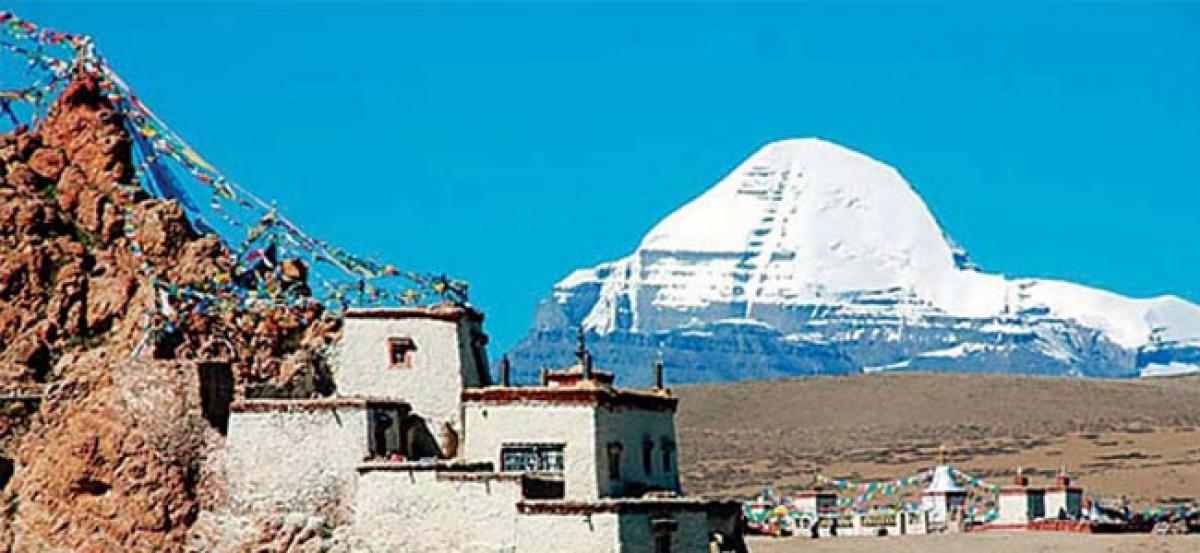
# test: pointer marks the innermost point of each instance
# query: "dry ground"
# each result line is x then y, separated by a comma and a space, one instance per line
987, 542
1137, 438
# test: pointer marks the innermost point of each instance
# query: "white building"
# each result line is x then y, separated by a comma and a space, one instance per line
1020, 503
421, 452
817, 501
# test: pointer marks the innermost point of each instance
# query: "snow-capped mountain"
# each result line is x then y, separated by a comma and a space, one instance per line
810, 258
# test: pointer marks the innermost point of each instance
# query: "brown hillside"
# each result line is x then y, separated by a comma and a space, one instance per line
1134, 438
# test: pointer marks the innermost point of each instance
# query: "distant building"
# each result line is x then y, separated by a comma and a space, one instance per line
944, 499
420, 451
1064, 500
817, 501
1020, 503
1058, 508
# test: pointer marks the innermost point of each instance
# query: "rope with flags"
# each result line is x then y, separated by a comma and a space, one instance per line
262, 242
983, 505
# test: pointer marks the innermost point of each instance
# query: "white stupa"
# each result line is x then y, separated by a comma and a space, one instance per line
944, 495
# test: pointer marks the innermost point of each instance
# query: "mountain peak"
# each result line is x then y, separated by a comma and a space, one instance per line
808, 144
811, 208
841, 262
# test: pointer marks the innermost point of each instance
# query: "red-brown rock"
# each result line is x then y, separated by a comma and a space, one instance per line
100, 468
48, 162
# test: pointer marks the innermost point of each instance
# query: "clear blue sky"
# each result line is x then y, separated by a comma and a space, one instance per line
509, 144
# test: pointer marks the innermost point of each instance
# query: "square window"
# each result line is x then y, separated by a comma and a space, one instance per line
400, 352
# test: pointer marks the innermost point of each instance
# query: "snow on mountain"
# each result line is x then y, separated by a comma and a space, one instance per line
810, 258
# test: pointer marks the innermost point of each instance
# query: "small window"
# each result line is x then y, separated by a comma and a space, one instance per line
400, 352
614, 460
668, 454
648, 457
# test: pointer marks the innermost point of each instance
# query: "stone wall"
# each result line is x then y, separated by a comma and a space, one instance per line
296, 459
423, 510
607, 532
584, 533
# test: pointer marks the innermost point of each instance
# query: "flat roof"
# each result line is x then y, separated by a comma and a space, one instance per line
442, 312
572, 395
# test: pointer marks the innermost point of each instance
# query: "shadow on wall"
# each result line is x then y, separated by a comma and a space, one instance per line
216, 393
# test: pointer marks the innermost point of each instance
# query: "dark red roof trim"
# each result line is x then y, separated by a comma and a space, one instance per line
808, 494
572, 377
625, 506
1018, 490
484, 467
298, 405
606, 397
451, 313
479, 477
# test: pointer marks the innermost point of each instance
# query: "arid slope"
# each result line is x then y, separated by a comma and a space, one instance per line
1133, 438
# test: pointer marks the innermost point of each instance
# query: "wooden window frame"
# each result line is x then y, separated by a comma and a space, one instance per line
409, 348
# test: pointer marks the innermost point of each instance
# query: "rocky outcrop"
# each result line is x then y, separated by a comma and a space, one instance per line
117, 456
112, 461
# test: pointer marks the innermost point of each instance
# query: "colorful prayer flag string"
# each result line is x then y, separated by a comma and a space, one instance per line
261, 240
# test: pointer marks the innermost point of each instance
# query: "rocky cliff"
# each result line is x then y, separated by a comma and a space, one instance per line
116, 454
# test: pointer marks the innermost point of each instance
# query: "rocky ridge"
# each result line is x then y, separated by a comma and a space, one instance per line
115, 455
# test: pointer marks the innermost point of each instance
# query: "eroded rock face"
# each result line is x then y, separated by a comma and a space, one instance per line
116, 457
116, 461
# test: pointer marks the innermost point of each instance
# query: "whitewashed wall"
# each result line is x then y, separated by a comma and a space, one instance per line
414, 512
1020, 508
607, 533
1055, 499
490, 426
596, 533
297, 461
443, 364
587, 431
630, 427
